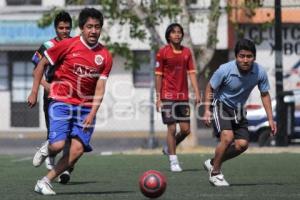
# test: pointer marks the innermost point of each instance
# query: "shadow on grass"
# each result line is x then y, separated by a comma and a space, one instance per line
96, 193
253, 184
192, 170
81, 182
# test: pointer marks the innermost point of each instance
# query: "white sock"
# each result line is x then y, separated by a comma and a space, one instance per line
46, 179
173, 158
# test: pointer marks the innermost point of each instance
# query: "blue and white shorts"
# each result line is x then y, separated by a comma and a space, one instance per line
66, 121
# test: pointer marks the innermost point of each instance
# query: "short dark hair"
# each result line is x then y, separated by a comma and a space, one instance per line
170, 29
89, 12
245, 44
62, 16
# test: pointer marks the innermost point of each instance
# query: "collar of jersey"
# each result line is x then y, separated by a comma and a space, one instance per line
85, 44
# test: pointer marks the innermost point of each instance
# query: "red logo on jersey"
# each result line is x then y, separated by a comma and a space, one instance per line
98, 59
85, 71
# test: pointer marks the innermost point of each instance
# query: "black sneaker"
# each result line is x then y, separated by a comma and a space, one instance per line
64, 178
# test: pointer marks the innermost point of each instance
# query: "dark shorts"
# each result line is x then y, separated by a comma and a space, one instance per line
46, 104
226, 118
175, 111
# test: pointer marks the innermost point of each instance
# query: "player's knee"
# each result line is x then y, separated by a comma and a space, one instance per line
185, 132
241, 147
56, 147
172, 129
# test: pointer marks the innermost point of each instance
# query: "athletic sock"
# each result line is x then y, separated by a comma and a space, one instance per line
173, 158
46, 179
215, 173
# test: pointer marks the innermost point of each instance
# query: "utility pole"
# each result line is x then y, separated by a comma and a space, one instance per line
281, 137
151, 138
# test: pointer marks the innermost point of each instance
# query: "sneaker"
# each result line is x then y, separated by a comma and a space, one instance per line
165, 150
175, 167
218, 180
50, 162
207, 166
44, 188
40, 155
64, 178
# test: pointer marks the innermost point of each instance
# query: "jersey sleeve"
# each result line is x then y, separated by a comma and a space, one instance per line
107, 68
217, 78
263, 84
38, 55
191, 66
57, 52
159, 63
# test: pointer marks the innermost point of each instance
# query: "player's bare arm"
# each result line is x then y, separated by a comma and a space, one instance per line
158, 80
38, 75
207, 103
98, 97
266, 100
194, 82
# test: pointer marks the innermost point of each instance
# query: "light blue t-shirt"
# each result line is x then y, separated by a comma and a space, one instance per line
233, 88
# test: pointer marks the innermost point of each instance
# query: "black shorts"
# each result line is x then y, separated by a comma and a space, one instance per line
226, 118
175, 111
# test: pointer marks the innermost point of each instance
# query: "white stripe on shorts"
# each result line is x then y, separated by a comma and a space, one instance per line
215, 114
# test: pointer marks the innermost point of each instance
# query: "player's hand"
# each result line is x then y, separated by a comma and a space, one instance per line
158, 105
207, 117
32, 99
273, 127
88, 122
197, 99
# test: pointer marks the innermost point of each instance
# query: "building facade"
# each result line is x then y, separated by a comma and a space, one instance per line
126, 105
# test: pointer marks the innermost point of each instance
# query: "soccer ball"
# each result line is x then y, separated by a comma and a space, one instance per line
152, 183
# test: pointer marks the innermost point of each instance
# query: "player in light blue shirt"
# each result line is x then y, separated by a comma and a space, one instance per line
227, 92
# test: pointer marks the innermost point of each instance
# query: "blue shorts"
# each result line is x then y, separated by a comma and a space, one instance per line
66, 122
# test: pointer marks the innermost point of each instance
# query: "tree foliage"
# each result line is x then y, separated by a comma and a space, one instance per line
143, 17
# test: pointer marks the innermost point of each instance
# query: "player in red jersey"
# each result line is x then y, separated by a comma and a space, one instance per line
62, 25
77, 91
174, 64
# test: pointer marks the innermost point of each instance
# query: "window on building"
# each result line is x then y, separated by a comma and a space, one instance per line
85, 2
21, 81
141, 75
23, 2
254, 2
3, 77
4, 81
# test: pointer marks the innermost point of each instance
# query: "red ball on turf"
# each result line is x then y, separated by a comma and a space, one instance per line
152, 183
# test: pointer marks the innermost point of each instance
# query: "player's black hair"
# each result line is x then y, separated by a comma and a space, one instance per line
62, 16
245, 44
170, 29
89, 12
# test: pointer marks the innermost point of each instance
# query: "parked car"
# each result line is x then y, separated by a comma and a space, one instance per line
259, 125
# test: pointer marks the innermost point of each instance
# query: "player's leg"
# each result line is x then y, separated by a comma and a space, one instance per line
171, 141
42, 153
184, 132
182, 110
44, 186
65, 177
241, 136
222, 122
226, 139
59, 129
167, 118
50, 160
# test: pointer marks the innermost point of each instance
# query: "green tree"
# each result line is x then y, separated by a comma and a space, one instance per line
144, 16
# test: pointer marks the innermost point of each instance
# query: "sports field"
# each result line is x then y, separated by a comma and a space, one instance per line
252, 176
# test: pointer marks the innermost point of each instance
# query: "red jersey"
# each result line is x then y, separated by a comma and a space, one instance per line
174, 67
79, 67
